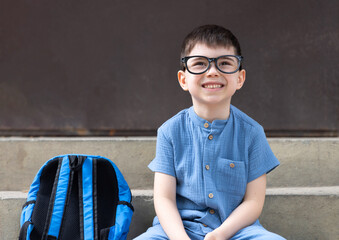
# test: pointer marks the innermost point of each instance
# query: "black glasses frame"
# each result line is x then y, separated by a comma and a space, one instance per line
185, 59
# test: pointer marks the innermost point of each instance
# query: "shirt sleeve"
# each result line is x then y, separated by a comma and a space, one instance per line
261, 158
164, 157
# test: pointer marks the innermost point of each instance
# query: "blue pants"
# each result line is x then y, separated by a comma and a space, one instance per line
252, 232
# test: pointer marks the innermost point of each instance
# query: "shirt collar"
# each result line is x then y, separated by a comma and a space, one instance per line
200, 122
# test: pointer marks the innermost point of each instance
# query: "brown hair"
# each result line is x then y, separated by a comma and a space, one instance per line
211, 35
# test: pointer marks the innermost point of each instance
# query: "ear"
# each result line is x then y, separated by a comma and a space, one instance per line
241, 78
182, 80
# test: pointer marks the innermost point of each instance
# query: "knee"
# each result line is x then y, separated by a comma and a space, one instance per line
147, 236
153, 233
144, 236
272, 236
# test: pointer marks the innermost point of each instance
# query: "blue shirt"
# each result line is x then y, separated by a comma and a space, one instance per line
212, 163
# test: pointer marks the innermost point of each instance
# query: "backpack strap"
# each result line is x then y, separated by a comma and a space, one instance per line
95, 199
81, 205
69, 190
88, 198
56, 207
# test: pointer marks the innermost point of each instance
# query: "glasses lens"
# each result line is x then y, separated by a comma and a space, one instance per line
228, 64
197, 64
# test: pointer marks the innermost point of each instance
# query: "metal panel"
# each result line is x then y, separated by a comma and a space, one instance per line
109, 67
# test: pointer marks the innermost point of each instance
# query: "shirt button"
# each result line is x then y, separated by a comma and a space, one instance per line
207, 167
210, 195
206, 125
232, 165
204, 225
210, 137
212, 211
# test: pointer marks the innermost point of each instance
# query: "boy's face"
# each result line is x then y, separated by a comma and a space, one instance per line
212, 88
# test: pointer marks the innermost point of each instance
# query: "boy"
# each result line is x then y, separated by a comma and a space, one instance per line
211, 159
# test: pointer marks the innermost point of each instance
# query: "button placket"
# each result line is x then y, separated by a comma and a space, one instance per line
207, 163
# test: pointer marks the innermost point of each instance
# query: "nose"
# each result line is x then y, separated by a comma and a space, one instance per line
213, 71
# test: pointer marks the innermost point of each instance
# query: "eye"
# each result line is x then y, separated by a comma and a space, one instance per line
224, 63
197, 62
228, 61
201, 63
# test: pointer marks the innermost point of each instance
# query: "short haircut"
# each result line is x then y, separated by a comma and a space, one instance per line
211, 35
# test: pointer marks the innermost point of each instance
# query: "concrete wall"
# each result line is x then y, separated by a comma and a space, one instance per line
302, 199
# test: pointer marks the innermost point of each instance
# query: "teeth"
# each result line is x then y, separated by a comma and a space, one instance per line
213, 86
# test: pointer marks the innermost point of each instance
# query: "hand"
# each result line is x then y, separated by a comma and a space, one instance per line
214, 235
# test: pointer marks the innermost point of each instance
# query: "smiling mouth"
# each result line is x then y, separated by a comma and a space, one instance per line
212, 86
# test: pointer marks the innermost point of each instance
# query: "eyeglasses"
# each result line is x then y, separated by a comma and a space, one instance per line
200, 64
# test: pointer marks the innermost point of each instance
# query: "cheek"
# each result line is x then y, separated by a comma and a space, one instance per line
193, 82
232, 81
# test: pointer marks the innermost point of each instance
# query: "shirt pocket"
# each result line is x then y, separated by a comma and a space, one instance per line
231, 176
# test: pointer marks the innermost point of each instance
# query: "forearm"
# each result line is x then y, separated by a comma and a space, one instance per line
169, 218
166, 207
244, 215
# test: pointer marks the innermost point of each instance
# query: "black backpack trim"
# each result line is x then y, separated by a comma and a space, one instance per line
28, 203
23, 230
127, 204
51, 201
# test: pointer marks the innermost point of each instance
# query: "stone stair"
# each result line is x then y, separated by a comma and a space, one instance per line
302, 197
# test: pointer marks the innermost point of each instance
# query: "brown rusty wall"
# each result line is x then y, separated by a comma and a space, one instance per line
109, 67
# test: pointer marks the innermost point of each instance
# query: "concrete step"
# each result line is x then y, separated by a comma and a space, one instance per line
295, 213
304, 161
302, 213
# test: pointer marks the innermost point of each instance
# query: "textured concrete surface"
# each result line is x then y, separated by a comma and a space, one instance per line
10, 210
300, 217
304, 161
21, 158
143, 212
296, 213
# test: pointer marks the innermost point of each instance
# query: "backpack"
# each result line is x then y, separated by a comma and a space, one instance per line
77, 197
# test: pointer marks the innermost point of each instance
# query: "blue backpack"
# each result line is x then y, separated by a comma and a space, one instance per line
77, 197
